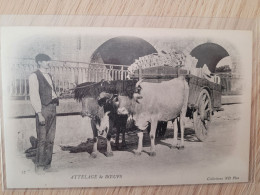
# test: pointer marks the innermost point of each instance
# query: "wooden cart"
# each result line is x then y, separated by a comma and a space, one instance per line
204, 95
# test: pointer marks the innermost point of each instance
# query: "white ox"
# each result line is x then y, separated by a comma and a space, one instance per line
155, 102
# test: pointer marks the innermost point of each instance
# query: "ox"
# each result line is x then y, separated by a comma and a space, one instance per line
105, 106
154, 102
99, 101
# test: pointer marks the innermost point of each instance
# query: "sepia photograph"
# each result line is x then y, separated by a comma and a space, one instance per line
101, 107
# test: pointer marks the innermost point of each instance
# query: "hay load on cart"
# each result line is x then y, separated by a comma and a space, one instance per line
204, 86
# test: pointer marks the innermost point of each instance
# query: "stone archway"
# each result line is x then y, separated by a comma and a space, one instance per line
209, 54
122, 50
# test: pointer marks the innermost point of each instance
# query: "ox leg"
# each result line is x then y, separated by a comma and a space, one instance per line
181, 146
175, 138
183, 114
122, 129
158, 129
95, 134
140, 143
152, 137
109, 151
163, 129
123, 138
117, 137
94, 151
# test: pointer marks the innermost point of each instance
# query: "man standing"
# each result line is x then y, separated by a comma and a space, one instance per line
44, 101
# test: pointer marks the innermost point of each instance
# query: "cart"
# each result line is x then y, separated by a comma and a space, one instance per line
204, 95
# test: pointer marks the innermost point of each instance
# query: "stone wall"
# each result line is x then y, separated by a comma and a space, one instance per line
70, 129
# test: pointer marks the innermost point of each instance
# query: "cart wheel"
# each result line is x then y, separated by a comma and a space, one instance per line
202, 116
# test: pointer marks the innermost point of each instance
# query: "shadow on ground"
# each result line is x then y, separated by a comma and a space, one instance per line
131, 141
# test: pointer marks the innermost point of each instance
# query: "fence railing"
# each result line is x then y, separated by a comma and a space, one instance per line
66, 75
231, 83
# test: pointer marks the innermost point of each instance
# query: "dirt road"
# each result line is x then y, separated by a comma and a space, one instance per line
195, 156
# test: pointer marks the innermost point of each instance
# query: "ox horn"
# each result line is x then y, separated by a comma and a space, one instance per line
84, 113
137, 97
104, 95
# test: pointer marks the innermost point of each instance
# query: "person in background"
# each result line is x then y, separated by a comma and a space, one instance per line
44, 100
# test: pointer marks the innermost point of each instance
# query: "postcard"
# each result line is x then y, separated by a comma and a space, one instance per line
101, 107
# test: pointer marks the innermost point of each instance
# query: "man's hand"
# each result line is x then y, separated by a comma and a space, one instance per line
41, 119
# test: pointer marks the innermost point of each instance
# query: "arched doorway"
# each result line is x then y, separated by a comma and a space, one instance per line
122, 50
209, 54
118, 53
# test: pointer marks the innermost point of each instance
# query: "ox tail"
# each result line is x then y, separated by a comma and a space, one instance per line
186, 97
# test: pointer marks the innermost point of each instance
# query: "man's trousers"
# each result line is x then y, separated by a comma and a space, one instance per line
45, 136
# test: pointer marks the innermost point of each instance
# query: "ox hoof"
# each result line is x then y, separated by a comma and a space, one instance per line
173, 147
152, 153
180, 147
109, 154
137, 153
93, 155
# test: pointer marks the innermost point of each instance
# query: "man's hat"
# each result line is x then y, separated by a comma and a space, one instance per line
42, 57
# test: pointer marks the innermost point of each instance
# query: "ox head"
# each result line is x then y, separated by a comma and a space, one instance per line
117, 105
109, 103
103, 125
107, 99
